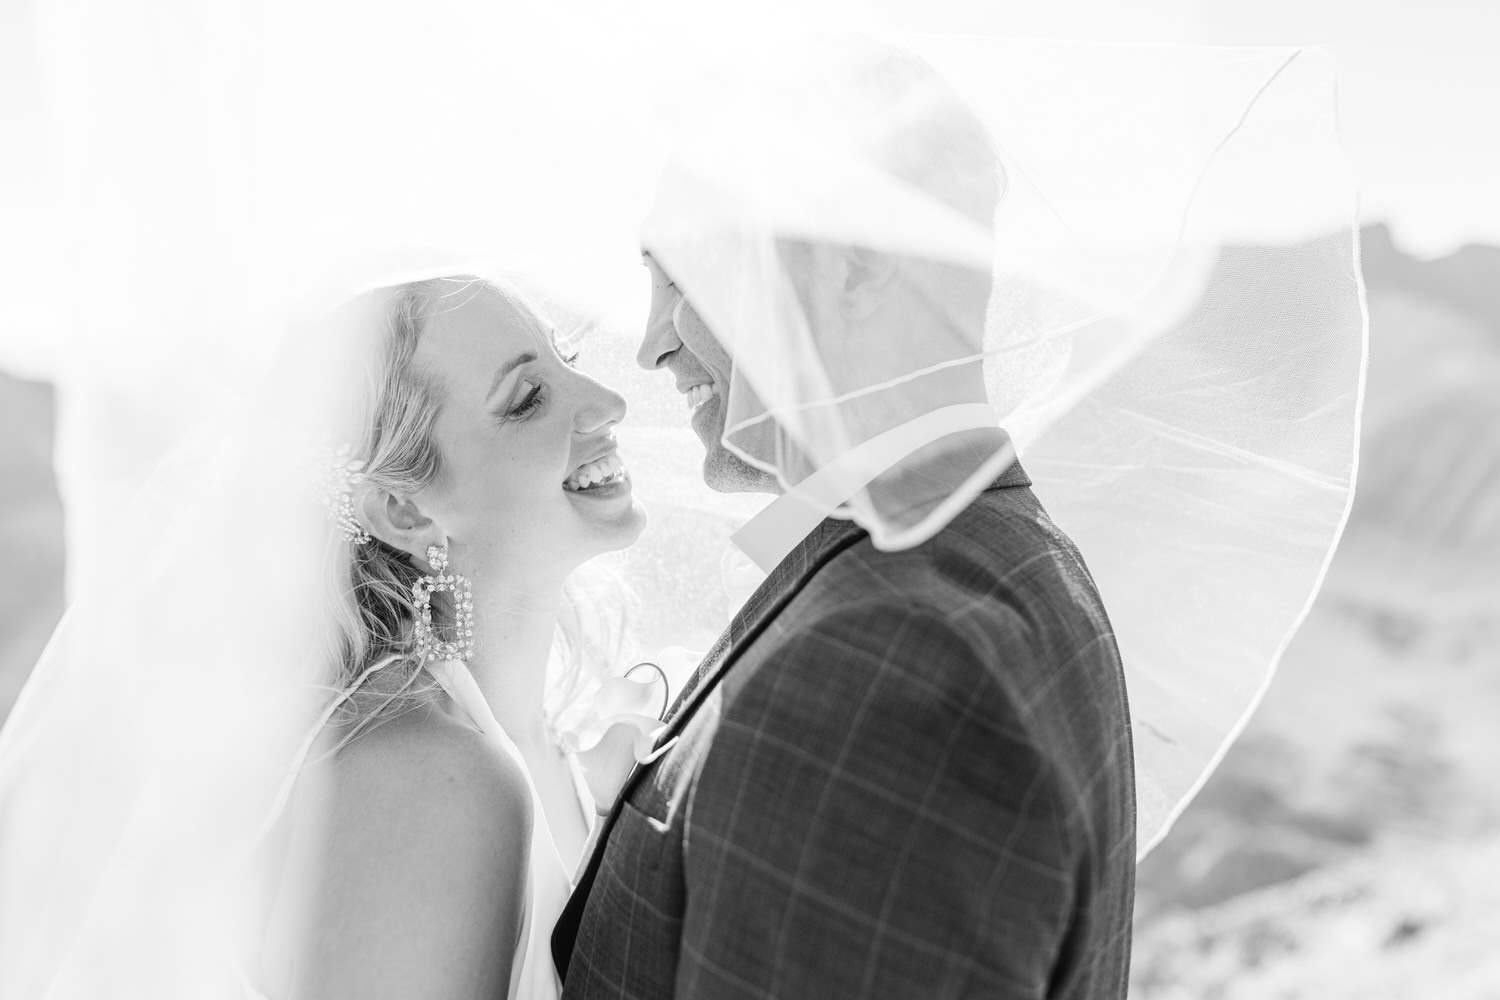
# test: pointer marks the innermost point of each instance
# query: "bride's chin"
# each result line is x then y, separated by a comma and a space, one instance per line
628, 529
618, 529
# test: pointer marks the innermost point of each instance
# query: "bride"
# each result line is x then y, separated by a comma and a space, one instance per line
371, 797
448, 817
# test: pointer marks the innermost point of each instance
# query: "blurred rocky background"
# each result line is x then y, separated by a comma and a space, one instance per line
1349, 844
31, 531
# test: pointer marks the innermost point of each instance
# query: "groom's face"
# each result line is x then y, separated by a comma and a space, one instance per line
678, 340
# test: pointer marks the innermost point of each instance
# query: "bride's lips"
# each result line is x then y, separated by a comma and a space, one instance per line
618, 487
602, 476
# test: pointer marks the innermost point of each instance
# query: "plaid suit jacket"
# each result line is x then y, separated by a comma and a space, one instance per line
896, 775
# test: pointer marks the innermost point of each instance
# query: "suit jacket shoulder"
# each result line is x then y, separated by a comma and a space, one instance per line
1001, 598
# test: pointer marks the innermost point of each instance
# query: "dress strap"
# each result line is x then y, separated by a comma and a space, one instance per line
455, 679
304, 750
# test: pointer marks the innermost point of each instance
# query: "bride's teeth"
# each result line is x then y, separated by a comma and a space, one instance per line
594, 472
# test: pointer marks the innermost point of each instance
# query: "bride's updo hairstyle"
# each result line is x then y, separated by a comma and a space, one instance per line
390, 412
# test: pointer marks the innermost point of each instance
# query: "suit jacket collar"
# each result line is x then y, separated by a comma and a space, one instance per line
784, 581
1013, 476
830, 537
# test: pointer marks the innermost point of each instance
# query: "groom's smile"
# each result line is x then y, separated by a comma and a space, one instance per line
678, 340
699, 397
699, 390
698, 394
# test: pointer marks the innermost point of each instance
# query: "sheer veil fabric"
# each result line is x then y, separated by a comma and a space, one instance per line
1135, 267
1153, 299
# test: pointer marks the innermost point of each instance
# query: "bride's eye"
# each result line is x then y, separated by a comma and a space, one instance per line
530, 402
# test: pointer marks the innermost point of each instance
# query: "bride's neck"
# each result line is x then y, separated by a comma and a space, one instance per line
513, 632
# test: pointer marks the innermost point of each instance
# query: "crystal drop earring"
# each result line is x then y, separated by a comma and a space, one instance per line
430, 646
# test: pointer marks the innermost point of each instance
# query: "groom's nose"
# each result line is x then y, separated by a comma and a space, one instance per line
660, 340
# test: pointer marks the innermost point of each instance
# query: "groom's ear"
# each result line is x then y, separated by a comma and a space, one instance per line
398, 521
866, 277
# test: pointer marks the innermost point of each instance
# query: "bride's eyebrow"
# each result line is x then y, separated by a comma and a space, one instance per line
507, 368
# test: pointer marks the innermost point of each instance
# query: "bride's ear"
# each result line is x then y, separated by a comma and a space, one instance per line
398, 521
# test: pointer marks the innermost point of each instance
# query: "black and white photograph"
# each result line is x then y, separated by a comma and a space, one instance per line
557, 499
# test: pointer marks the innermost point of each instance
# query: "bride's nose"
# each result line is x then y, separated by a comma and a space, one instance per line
599, 408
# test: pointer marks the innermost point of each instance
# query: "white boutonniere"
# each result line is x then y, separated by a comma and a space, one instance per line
617, 729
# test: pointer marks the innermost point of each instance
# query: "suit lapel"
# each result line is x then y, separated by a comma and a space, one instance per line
784, 583
791, 574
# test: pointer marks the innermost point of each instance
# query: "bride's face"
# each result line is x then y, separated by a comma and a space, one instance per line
531, 480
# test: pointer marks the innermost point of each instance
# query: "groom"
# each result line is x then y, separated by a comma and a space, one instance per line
898, 773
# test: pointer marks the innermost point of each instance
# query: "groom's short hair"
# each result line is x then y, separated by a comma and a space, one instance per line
924, 133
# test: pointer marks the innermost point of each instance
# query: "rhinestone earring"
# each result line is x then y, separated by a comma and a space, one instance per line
339, 475
430, 646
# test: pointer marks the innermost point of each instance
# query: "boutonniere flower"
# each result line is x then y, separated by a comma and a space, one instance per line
618, 729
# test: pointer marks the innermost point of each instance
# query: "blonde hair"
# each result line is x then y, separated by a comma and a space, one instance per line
395, 407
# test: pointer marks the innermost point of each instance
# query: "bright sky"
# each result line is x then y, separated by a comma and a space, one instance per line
1420, 86
1420, 104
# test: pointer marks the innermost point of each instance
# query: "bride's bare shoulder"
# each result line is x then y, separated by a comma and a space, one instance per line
413, 840
427, 774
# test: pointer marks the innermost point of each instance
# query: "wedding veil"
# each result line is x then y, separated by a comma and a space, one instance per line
1139, 262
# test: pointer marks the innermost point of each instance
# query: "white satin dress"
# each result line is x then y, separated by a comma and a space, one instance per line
532, 976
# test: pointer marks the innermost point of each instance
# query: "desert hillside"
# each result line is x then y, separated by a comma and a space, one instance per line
1349, 845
